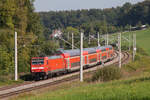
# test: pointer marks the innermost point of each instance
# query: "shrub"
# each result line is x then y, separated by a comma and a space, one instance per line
107, 74
142, 51
124, 47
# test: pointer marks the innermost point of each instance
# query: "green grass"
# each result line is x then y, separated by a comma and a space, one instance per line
10, 82
143, 39
141, 63
132, 89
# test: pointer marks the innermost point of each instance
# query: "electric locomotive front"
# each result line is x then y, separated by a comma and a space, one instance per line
38, 66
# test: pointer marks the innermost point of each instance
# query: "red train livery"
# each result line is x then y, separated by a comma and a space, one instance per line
69, 60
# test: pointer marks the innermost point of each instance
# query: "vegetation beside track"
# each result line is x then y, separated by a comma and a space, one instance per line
131, 89
107, 74
9, 82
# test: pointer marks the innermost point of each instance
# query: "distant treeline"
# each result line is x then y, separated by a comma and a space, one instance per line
119, 17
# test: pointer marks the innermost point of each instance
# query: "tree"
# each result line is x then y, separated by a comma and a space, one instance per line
7, 11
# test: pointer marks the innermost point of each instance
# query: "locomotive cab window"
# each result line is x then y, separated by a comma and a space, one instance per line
37, 61
103, 50
92, 60
110, 48
54, 57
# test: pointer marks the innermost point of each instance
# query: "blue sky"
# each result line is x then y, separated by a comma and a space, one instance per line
56, 5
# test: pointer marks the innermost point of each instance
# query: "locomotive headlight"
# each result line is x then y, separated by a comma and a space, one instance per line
37, 67
41, 67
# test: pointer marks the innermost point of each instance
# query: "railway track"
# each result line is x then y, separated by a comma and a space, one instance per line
10, 91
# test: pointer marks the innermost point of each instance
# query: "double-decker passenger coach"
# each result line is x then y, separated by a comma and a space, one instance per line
69, 60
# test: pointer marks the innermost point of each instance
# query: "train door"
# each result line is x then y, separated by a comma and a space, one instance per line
86, 60
67, 60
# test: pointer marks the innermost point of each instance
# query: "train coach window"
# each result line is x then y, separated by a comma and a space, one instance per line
103, 50
110, 48
92, 60
75, 64
104, 57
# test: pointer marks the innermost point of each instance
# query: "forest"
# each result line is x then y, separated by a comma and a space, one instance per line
19, 16
34, 29
99, 20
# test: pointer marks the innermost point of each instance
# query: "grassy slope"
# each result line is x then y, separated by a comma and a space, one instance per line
133, 89
143, 39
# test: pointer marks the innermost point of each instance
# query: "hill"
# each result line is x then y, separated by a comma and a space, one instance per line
89, 19
143, 39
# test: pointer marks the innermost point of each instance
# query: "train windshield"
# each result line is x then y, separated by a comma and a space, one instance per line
37, 61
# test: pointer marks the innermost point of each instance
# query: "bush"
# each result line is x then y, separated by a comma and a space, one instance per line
124, 47
142, 51
107, 74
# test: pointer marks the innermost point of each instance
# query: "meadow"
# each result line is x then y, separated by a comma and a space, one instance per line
131, 89
142, 39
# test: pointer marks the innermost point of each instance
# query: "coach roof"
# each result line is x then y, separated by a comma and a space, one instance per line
76, 52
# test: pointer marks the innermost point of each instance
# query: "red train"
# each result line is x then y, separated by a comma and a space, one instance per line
69, 60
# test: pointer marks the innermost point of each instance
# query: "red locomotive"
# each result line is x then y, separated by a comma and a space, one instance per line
69, 60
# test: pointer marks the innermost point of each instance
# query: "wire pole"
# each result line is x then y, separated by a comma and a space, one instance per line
68, 36
119, 47
89, 39
130, 39
72, 41
134, 46
107, 39
129, 42
16, 64
81, 58
98, 39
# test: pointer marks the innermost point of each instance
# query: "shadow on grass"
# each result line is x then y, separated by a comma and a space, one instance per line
129, 98
136, 80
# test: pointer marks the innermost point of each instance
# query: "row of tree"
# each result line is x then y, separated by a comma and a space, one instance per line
114, 19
